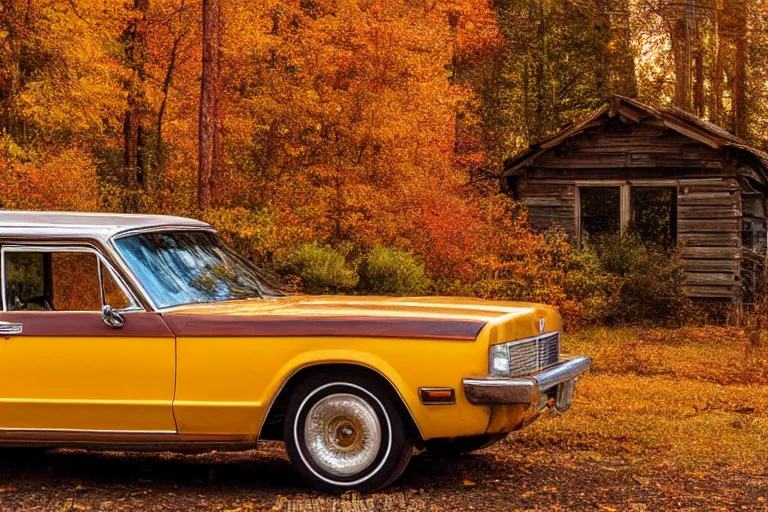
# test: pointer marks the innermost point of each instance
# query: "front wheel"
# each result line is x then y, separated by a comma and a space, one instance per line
346, 433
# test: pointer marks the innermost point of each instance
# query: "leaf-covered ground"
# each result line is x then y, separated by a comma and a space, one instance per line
668, 419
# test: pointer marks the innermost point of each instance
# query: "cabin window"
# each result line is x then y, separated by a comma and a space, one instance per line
600, 211
753, 234
651, 212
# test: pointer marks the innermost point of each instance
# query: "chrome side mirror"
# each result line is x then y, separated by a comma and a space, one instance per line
112, 317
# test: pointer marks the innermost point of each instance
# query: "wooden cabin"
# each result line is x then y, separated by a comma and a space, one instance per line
668, 175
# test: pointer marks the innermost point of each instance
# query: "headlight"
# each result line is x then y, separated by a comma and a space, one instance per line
499, 360
524, 357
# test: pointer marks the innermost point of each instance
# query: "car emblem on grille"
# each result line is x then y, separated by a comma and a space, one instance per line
542, 321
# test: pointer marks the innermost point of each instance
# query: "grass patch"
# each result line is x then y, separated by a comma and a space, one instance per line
718, 355
694, 398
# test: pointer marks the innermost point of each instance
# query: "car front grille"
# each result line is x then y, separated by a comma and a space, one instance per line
533, 354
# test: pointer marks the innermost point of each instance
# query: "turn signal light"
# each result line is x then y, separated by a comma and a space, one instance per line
437, 396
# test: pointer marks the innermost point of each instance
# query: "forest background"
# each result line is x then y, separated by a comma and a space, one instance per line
355, 145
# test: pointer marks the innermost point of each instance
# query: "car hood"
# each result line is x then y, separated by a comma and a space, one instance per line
364, 316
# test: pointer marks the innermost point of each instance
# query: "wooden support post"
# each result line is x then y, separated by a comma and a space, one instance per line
625, 208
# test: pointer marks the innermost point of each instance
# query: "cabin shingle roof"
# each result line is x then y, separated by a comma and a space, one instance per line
633, 110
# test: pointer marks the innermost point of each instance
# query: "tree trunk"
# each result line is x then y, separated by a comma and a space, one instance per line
135, 40
539, 84
740, 69
164, 102
620, 58
739, 90
681, 44
526, 105
733, 28
209, 147
716, 78
698, 66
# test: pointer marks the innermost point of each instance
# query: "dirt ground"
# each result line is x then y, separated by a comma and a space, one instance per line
666, 420
493, 479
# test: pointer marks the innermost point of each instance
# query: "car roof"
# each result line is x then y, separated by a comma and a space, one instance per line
100, 226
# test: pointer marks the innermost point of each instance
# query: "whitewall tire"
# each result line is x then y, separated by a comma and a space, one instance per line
345, 433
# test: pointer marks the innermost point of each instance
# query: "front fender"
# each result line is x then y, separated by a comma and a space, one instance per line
359, 358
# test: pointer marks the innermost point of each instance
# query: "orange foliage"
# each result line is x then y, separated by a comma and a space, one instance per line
341, 123
66, 181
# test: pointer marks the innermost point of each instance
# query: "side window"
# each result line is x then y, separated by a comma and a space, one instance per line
75, 277
24, 280
59, 281
113, 295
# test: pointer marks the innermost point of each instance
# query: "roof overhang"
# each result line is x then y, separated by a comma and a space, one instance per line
633, 111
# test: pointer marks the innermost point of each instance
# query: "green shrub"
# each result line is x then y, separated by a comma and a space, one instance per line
586, 282
391, 271
321, 268
650, 281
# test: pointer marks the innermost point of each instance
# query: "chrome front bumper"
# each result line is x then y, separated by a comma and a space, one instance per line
533, 390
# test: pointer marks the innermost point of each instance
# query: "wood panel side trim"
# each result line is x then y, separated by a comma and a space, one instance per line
186, 325
138, 324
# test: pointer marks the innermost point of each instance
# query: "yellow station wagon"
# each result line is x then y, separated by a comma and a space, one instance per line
141, 332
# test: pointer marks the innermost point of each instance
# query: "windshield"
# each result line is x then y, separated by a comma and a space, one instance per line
187, 267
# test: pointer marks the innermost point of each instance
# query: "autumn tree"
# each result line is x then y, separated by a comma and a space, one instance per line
680, 19
757, 75
135, 41
735, 33
619, 50
175, 32
557, 61
717, 66
60, 100
210, 92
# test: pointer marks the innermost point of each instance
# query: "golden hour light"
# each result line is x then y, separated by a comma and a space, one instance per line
390, 255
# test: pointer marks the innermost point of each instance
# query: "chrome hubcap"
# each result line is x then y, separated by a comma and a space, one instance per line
342, 434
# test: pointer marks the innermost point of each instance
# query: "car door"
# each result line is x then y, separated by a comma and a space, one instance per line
62, 368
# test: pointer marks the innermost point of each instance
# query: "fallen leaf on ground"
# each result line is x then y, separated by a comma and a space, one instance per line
642, 480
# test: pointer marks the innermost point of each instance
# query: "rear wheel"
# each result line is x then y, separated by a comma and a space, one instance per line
345, 433
451, 448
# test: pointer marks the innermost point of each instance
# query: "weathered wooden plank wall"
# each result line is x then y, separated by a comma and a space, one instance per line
709, 227
550, 204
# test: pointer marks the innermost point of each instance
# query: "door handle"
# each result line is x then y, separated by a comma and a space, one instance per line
9, 328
